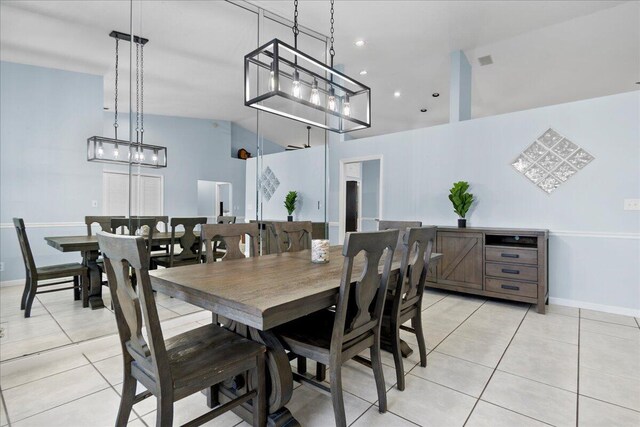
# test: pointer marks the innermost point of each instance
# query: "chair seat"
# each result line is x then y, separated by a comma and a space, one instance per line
165, 260
208, 351
310, 336
60, 270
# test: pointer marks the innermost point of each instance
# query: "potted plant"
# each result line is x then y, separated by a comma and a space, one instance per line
290, 203
461, 201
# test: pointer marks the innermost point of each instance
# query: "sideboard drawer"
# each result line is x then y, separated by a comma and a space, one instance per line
511, 271
511, 287
517, 255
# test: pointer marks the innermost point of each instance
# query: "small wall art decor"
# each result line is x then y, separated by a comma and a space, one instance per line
551, 160
268, 183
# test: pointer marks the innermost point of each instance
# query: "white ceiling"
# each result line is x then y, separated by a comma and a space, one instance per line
544, 52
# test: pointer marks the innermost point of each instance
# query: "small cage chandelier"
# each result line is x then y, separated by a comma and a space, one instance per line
113, 150
283, 80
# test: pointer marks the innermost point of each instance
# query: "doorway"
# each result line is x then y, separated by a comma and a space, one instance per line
214, 198
360, 202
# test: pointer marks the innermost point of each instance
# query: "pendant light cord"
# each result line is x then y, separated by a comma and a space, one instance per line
137, 92
141, 92
295, 29
115, 123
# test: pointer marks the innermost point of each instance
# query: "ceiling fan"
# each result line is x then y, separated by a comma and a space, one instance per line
307, 145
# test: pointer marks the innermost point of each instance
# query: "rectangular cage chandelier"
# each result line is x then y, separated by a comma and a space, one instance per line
108, 150
282, 80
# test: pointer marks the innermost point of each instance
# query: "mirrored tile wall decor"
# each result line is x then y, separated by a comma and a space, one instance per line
551, 160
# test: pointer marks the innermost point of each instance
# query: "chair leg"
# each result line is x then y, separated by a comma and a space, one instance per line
25, 293
126, 402
397, 355
33, 286
260, 401
336, 395
302, 365
76, 288
376, 364
416, 324
164, 412
321, 372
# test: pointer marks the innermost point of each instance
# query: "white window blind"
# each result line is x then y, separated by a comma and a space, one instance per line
147, 194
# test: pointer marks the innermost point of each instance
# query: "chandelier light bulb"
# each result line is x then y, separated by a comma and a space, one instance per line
155, 157
331, 103
315, 94
272, 79
296, 90
100, 151
116, 152
346, 106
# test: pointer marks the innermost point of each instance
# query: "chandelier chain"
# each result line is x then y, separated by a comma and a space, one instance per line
295, 29
115, 123
332, 51
137, 91
141, 91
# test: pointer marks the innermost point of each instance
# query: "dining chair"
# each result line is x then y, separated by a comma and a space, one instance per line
182, 365
103, 221
78, 273
231, 235
190, 252
292, 236
334, 337
398, 225
405, 301
226, 219
136, 226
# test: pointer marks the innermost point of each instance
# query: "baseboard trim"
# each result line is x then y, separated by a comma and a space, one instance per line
597, 307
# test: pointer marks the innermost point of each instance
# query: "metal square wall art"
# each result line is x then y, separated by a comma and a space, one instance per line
551, 160
268, 183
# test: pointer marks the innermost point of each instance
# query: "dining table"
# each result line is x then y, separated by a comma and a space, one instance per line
90, 252
259, 294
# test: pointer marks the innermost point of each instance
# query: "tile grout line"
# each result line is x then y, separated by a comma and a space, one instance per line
496, 368
112, 387
637, 322
4, 408
360, 416
609, 403
518, 413
54, 319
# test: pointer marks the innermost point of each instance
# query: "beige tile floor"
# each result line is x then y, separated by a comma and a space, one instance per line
490, 363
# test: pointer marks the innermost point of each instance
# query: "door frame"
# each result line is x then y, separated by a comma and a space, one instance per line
342, 193
218, 184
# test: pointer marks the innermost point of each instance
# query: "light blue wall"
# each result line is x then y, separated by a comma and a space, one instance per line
595, 244
46, 117
244, 138
370, 194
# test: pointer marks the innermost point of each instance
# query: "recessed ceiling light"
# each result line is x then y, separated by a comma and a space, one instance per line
423, 110
363, 72
435, 94
360, 43
396, 94
638, 83
105, 108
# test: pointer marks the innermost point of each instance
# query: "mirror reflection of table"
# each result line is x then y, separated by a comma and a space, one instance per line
257, 294
90, 251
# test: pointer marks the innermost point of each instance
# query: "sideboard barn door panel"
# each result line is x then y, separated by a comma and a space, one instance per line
461, 264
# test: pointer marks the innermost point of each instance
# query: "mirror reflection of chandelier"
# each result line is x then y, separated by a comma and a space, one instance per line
283, 80
113, 150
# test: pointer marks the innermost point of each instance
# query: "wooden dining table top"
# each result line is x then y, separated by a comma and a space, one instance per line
260, 292
90, 243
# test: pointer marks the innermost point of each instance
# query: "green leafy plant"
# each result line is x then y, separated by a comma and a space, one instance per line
460, 199
290, 201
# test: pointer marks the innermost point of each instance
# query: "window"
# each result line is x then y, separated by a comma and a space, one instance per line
147, 193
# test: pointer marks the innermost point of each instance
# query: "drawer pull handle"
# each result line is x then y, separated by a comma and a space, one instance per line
510, 255
510, 287
509, 271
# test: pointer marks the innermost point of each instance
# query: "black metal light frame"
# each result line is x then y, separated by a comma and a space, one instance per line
127, 152
273, 50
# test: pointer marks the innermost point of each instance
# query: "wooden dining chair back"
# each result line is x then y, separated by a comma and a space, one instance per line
78, 274
188, 241
103, 221
182, 365
398, 225
408, 290
226, 219
332, 338
136, 226
292, 236
231, 235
